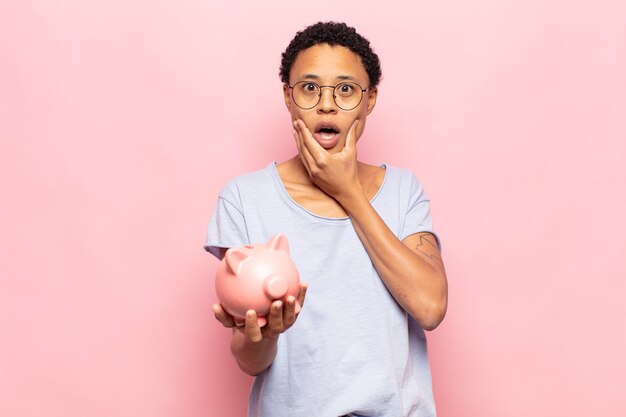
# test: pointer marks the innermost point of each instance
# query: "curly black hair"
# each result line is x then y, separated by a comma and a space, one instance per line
331, 33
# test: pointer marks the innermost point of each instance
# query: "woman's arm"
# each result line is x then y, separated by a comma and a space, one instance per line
412, 269
254, 347
253, 352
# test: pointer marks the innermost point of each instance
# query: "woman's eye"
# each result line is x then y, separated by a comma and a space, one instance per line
345, 89
309, 87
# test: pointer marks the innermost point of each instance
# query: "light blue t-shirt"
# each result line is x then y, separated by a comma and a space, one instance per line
353, 349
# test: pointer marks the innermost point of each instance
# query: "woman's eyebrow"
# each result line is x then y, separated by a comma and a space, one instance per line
346, 77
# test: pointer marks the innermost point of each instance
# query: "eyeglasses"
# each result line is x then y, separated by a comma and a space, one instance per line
307, 94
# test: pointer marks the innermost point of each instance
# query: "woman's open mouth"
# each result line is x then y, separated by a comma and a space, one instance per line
327, 134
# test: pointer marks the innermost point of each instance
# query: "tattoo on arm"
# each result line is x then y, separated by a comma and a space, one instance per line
424, 246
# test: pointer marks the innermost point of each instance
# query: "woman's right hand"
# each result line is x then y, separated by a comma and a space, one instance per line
282, 316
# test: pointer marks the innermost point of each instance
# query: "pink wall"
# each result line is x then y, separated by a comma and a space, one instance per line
120, 121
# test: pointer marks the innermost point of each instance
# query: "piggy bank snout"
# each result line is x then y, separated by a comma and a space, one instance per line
275, 287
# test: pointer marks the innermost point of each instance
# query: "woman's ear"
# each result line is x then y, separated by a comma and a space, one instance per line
371, 99
287, 96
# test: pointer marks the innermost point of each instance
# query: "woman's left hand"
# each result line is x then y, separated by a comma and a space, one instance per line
336, 174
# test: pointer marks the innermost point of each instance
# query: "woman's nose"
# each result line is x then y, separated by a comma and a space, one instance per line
327, 100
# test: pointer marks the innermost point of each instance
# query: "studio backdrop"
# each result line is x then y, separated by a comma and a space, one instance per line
120, 121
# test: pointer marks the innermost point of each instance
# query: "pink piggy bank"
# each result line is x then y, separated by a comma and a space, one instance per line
251, 277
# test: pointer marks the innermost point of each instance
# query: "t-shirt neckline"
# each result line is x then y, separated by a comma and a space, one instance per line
291, 201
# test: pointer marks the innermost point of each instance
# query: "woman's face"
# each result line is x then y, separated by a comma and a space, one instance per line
330, 65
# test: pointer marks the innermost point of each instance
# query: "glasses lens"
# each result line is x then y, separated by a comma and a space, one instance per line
348, 95
306, 94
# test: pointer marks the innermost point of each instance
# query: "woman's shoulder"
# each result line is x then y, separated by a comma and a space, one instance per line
401, 181
385, 173
248, 180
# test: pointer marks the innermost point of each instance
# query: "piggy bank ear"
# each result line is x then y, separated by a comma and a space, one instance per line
278, 242
234, 258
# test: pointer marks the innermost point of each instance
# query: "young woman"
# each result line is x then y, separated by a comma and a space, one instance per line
361, 237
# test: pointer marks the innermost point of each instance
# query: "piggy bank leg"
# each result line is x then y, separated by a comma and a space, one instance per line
239, 321
262, 321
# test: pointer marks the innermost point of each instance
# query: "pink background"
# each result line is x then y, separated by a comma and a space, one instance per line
121, 120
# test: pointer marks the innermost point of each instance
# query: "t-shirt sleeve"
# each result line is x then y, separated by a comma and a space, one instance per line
227, 228
418, 218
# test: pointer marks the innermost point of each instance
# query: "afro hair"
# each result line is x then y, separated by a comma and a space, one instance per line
331, 33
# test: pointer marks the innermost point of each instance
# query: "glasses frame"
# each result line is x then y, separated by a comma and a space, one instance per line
319, 96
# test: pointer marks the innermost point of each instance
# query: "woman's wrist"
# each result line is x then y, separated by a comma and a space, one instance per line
253, 357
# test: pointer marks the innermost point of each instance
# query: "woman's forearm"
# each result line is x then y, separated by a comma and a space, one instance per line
417, 281
253, 357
